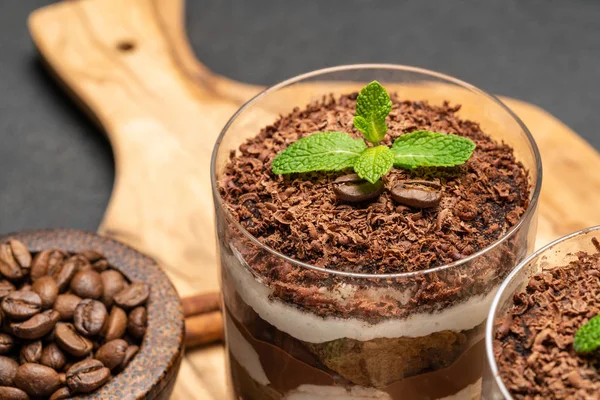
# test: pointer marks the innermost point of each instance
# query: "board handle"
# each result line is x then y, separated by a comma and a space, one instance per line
129, 66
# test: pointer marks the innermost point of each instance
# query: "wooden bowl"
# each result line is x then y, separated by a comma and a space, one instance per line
152, 372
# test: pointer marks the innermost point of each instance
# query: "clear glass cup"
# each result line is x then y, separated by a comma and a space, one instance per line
556, 254
277, 349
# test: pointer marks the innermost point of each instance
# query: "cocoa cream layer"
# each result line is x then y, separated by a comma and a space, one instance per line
311, 328
270, 366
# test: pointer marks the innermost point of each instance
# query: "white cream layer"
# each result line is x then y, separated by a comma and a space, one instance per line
315, 329
244, 353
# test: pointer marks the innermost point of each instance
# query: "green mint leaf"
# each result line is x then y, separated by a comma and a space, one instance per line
431, 149
372, 106
322, 151
587, 338
374, 162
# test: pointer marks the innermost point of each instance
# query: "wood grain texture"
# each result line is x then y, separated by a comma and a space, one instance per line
130, 66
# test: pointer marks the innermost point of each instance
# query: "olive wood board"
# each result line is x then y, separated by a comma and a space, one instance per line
129, 65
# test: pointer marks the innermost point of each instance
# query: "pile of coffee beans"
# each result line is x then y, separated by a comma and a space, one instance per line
68, 322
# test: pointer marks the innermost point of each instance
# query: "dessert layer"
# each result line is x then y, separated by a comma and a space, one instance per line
292, 375
309, 327
299, 215
533, 346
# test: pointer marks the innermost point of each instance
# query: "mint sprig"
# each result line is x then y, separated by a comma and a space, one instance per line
373, 105
431, 149
374, 162
335, 151
587, 338
322, 151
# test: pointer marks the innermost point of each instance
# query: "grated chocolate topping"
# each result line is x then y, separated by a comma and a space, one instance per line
534, 342
300, 216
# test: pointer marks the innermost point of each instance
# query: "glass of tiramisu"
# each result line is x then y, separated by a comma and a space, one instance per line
366, 216
543, 331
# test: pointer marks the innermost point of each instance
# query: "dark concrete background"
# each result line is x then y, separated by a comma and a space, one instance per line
56, 168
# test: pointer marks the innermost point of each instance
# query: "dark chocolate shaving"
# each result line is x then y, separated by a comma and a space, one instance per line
534, 341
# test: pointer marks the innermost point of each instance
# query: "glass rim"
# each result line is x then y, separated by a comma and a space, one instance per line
489, 327
393, 67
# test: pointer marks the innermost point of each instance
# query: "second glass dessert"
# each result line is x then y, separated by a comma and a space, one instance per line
384, 298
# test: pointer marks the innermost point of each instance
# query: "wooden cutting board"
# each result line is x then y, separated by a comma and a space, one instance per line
129, 65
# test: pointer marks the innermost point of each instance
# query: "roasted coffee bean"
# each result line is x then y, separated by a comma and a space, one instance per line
61, 394
87, 284
87, 376
12, 393
31, 352
8, 370
81, 262
26, 288
116, 325
112, 353
71, 341
9, 267
90, 317
20, 253
6, 288
353, 189
37, 326
37, 379
136, 326
92, 255
416, 193
21, 305
65, 305
134, 295
64, 273
47, 288
131, 351
100, 266
113, 282
44, 261
6, 343
53, 357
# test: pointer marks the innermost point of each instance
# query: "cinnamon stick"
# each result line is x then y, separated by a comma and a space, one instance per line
203, 329
203, 319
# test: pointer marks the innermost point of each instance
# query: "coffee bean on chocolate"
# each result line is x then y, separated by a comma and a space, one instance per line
133, 296
12, 393
31, 352
65, 305
131, 351
21, 305
47, 289
6, 343
6, 288
90, 317
116, 325
37, 326
37, 379
9, 267
87, 284
64, 273
8, 370
353, 189
113, 282
136, 326
71, 341
61, 394
417, 193
87, 376
45, 260
53, 357
112, 353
